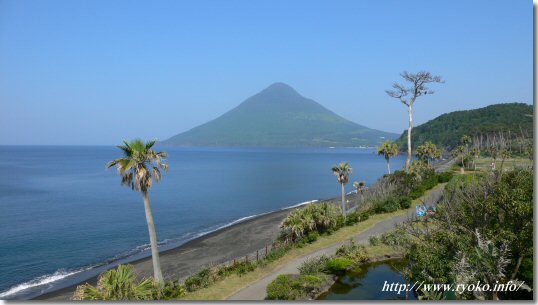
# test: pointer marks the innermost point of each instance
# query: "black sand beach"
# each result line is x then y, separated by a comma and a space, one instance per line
216, 247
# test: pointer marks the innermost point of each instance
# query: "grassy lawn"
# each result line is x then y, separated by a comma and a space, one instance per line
227, 287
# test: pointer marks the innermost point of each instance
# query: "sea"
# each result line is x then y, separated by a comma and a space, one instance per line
65, 217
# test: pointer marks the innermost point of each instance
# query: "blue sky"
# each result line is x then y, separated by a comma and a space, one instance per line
96, 72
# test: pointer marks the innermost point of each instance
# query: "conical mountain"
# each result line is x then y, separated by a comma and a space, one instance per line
279, 116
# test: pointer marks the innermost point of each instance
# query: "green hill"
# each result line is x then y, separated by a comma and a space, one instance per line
447, 129
279, 116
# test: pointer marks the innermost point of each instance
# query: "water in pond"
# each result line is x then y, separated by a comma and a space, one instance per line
366, 283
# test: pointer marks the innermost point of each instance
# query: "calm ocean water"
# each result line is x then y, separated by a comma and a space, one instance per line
63, 214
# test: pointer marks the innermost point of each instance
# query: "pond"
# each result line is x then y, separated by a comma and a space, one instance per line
366, 283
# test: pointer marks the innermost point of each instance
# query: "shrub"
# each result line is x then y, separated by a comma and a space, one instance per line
339, 222
389, 205
444, 177
307, 284
395, 238
374, 240
314, 265
352, 219
293, 287
244, 267
277, 253
405, 202
312, 236
338, 265
356, 253
365, 215
120, 284
201, 279
172, 290
280, 288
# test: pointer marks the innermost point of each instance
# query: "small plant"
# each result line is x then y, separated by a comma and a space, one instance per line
294, 287
312, 237
352, 219
120, 285
338, 265
405, 202
280, 288
356, 253
201, 279
244, 267
374, 240
314, 265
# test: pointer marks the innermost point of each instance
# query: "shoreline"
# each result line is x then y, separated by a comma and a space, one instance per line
237, 239
251, 233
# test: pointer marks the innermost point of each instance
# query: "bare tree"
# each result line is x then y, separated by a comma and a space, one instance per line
408, 96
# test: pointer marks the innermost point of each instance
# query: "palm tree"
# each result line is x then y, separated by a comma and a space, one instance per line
295, 224
388, 150
504, 154
459, 152
342, 172
428, 152
138, 167
360, 186
475, 152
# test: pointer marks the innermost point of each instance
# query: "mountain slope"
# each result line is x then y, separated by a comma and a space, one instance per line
279, 116
447, 129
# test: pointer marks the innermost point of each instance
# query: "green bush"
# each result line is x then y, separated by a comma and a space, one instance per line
374, 240
280, 288
307, 284
396, 238
389, 205
365, 215
445, 176
172, 290
338, 265
312, 236
201, 279
244, 267
277, 253
293, 287
120, 285
314, 265
356, 253
405, 202
352, 218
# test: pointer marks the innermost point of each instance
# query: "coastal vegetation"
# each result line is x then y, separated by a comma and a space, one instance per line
388, 150
408, 97
510, 124
458, 241
137, 168
342, 172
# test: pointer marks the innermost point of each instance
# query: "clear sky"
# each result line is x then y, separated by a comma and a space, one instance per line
96, 72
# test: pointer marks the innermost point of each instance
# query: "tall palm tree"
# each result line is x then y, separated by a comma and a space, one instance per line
388, 150
137, 168
342, 172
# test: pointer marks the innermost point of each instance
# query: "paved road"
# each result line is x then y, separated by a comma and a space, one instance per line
257, 290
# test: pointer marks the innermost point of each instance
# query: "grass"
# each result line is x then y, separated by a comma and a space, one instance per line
232, 284
509, 164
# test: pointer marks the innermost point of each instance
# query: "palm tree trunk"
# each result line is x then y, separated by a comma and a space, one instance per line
157, 273
388, 165
343, 201
409, 149
514, 274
